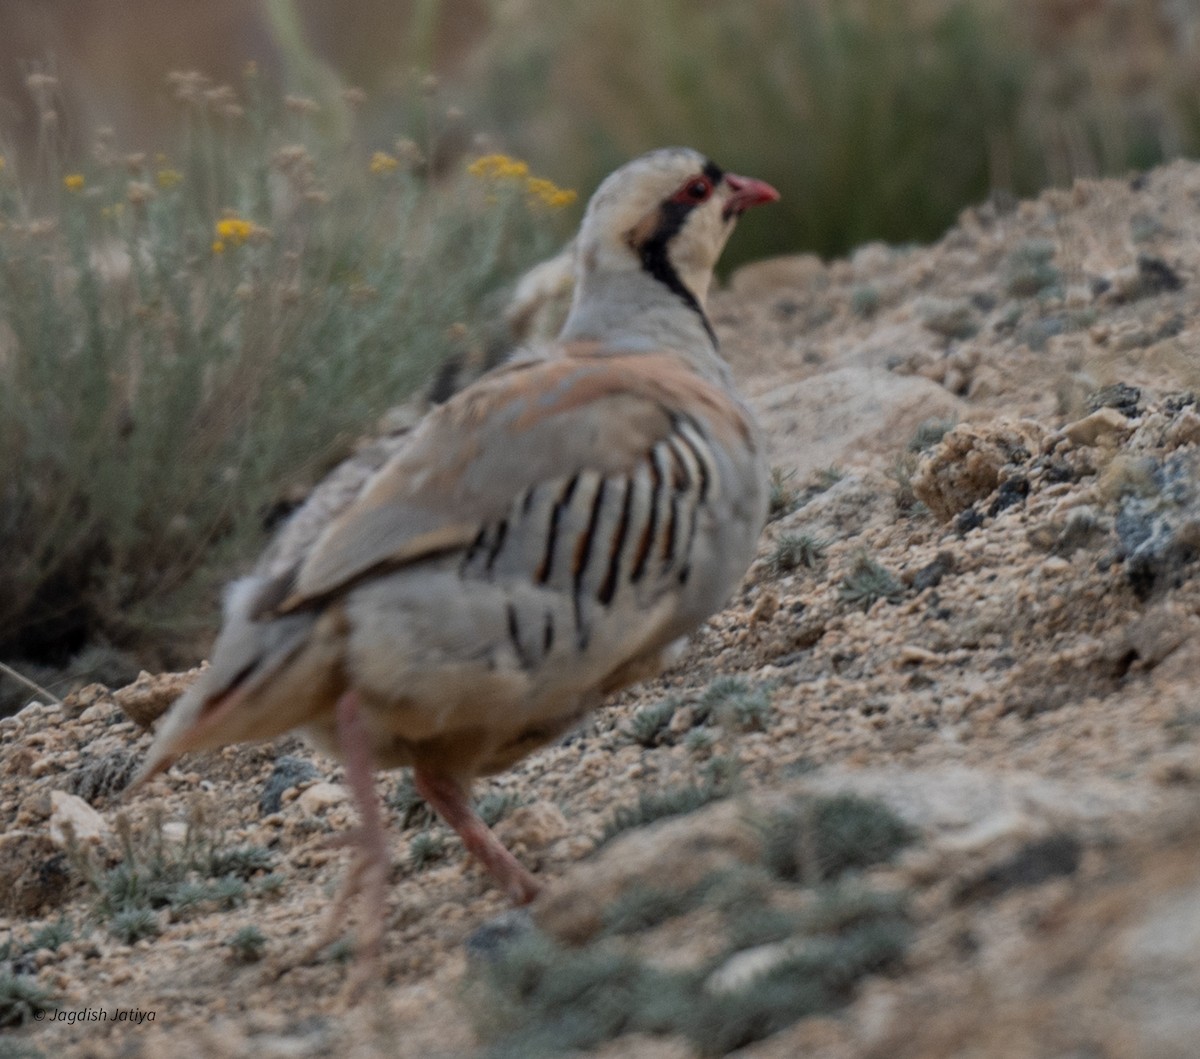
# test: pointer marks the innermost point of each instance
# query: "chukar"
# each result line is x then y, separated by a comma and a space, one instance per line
537, 543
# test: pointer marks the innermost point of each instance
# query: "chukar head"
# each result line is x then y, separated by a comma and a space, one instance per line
650, 238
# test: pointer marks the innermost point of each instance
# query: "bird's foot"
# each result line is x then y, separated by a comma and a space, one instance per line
367, 876
450, 800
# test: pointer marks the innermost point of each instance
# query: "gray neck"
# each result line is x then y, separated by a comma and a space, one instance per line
630, 311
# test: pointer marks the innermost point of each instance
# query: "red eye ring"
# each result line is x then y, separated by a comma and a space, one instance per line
694, 191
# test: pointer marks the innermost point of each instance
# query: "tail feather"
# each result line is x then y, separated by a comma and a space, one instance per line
247, 654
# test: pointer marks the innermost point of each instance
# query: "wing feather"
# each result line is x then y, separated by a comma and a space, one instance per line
522, 426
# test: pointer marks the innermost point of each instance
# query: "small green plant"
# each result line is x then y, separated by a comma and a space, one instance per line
929, 433
134, 924
721, 771
411, 808
677, 801
784, 497
53, 935
867, 582
650, 726
426, 847
247, 945
21, 998
646, 906
736, 703
1029, 271
902, 472
699, 741
828, 477
14, 1049
192, 875
192, 896
794, 550
270, 885
540, 999
952, 318
820, 839
865, 301
244, 862
496, 805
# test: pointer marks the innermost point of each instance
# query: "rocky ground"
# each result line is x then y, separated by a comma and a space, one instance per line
929, 787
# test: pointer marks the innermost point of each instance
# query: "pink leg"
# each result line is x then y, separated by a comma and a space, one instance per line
368, 872
451, 802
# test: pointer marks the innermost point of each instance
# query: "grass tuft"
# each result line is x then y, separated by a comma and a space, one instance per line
411, 808
496, 805
186, 346
868, 582
650, 726
821, 839
134, 924
248, 945
736, 703
676, 801
21, 999
794, 550
426, 848
196, 874
784, 497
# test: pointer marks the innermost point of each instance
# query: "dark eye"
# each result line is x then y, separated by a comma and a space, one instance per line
694, 191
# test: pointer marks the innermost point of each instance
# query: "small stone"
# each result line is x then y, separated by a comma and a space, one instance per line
174, 831
69, 809
911, 654
534, 826
1104, 423
1184, 430
322, 796
149, 697
949, 317
289, 771
79, 702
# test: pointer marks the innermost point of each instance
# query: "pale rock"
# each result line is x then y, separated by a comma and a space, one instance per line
1102, 424
69, 809
778, 274
840, 417
323, 796
535, 826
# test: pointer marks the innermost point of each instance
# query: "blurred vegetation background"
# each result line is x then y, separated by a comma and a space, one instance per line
211, 283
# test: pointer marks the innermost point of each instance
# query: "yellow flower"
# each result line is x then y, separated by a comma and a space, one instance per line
73, 181
234, 231
498, 167
218, 246
167, 178
549, 193
114, 211
382, 162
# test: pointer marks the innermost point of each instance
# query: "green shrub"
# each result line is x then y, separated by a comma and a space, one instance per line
676, 801
869, 581
793, 550
821, 839
186, 342
247, 945
197, 874
21, 998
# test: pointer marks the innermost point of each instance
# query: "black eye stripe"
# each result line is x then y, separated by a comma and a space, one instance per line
653, 249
